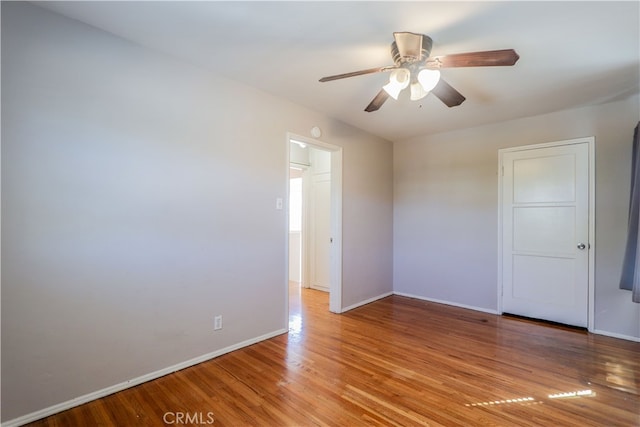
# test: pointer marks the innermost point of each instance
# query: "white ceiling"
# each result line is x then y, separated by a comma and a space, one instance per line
571, 53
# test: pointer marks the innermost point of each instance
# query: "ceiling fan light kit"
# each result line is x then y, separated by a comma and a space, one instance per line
417, 91
398, 80
428, 78
414, 66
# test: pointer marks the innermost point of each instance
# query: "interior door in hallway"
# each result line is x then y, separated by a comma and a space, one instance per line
320, 221
545, 233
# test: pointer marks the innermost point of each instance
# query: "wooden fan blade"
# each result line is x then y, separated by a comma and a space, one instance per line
447, 94
358, 73
377, 102
489, 58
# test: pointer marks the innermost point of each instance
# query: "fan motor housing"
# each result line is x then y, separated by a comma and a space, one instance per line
415, 48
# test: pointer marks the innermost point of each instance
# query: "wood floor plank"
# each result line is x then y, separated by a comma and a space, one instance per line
395, 362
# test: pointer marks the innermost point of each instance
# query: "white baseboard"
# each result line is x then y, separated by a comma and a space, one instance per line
454, 304
367, 301
615, 335
34, 416
595, 331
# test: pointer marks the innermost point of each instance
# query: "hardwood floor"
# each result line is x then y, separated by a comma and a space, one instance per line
394, 362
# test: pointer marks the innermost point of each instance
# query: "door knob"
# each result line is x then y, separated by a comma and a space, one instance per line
581, 246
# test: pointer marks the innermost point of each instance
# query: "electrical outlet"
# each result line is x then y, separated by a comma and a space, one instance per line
217, 323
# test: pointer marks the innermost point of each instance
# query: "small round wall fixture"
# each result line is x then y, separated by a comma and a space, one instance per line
316, 132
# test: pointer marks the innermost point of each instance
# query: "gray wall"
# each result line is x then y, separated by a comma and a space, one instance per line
136, 190
138, 201
446, 208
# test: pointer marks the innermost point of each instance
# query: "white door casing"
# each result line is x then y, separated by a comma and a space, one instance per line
546, 224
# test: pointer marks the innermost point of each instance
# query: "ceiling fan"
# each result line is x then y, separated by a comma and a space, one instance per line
414, 67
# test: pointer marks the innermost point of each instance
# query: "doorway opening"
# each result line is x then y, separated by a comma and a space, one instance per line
314, 234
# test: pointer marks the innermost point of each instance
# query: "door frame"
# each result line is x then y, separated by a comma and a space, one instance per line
590, 141
335, 287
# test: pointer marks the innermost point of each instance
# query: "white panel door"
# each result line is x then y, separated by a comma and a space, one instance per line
320, 232
545, 232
